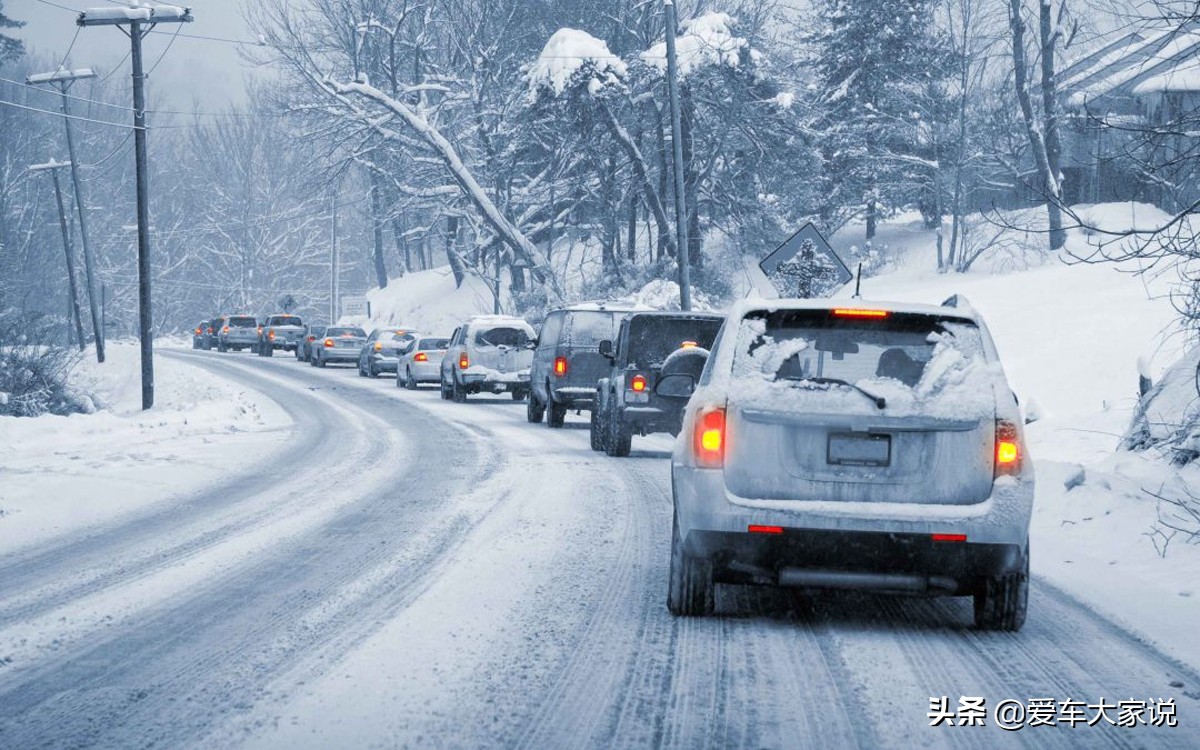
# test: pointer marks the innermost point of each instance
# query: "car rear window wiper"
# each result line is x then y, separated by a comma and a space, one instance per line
879, 401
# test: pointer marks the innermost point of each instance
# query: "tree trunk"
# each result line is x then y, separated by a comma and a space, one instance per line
381, 276
666, 240
1049, 38
652, 196
402, 248
691, 179
452, 256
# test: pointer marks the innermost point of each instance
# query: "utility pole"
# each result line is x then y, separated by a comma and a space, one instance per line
681, 238
140, 19
333, 261
62, 80
52, 167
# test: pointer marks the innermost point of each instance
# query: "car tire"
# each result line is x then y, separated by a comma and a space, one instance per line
372, 371
268, 350
518, 394
445, 391
556, 413
690, 588
321, 362
534, 410
596, 430
619, 438
410, 381
458, 392
1001, 602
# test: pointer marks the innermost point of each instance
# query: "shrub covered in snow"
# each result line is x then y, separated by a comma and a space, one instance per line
1167, 417
33, 375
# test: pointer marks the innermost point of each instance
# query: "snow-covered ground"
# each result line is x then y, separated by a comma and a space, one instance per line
60, 475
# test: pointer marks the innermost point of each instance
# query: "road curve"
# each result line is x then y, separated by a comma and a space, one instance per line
473, 581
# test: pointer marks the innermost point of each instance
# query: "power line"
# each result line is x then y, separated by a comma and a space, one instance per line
124, 108
166, 49
56, 5
60, 114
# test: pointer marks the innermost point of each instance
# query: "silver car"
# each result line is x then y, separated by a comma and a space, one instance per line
237, 332
339, 344
421, 363
488, 353
874, 447
382, 350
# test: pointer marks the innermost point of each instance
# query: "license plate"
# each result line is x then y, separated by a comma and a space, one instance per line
855, 449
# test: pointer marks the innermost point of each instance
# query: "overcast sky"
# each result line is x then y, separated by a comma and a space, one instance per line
209, 73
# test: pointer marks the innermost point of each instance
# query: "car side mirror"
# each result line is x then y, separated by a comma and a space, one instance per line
678, 385
606, 349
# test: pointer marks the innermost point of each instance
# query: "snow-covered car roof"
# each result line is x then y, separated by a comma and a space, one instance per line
496, 320
607, 305
954, 307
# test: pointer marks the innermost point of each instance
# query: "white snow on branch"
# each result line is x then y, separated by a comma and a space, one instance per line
571, 52
706, 41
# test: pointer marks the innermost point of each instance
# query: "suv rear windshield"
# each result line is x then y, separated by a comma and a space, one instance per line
800, 345
589, 328
346, 332
430, 345
243, 322
502, 336
284, 320
652, 338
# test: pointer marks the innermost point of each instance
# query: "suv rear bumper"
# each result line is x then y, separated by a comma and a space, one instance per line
647, 419
574, 397
854, 538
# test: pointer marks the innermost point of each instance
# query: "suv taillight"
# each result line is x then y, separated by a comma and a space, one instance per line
463, 361
197, 331
638, 384
709, 439
210, 329
312, 339
560, 366
271, 334
225, 329
328, 343
1008, 449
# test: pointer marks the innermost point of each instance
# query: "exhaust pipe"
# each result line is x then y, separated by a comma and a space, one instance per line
910, 583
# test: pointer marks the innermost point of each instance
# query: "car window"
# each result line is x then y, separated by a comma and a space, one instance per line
284, 320
798, 345
551, 330
589, 328
652, 338
400, 336
345, 331
502, 336
429, 345
317, 330
241, 322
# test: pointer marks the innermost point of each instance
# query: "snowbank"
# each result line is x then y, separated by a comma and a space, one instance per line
63, 474
427, 301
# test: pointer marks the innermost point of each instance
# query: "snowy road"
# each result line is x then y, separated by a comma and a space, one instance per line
413, 572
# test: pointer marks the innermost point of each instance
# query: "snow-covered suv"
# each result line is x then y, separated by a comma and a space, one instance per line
863, 446
488, 353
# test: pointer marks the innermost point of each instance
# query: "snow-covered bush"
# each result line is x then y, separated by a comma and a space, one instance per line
33, 375
1167, 418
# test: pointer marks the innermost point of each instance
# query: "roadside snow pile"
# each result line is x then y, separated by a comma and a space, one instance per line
569, 53
427, 301
706, 41
1168, 416
62, 473
661, 294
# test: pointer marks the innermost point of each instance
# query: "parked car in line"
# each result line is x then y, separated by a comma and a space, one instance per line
305, 344
339, 344
873, 446
648, 345
279, 332
567, 361
488, 353
382, 349
237, 332
200, 335
422, 363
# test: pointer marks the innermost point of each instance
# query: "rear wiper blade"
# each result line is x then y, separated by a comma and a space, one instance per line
879, 401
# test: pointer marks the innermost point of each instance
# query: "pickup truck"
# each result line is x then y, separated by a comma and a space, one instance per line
279, 332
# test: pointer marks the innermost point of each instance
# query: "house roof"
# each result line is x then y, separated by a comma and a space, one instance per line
1134, 65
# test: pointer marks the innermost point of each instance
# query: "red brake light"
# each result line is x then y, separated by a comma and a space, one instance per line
420, 357
463, 361
854, 312
757, 529
312, 339
271, 335
949, 537
638, 383
560, 366
260, 330
210, 329
1008, 449
709, 439
225, 329
329, 343
197, 331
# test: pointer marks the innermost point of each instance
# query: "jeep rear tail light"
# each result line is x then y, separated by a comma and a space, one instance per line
420, 357
638, 384
560, 366
328, 343
463, 361
709, 439
1008, 449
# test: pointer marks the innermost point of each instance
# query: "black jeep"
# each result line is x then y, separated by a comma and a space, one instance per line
649, 346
